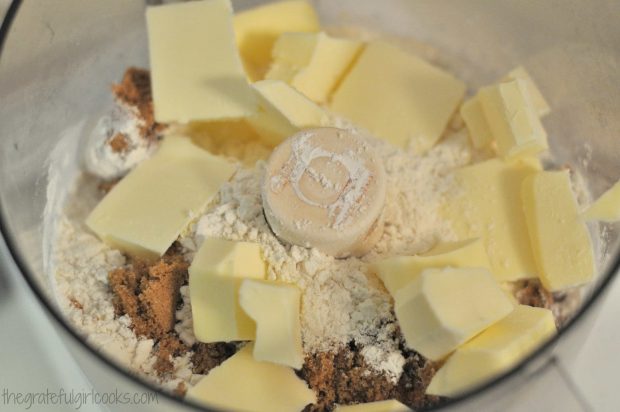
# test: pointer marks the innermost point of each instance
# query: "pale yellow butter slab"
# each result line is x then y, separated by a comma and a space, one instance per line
215, 276
607, 207
258, 28
313, 63
242, 383
437, 312
398, 271
486, 204
283, 111
560, 238
196, 72
151, 206
494, 351
391, 405
398, 97
512, 119
538, 100
476, 122
275, 307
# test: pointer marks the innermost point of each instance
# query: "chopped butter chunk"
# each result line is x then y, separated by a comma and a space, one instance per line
487, 204
283, 111
538, 100
241, 383
607, 207
512, 119
396, 272
257, 29
215, 276
151, 206
443, 309
477, 125
560, 238
275, 309
497, 349
391, 405
313, 63
398, 97
196, 72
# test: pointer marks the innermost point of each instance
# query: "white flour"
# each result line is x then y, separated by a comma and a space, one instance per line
342, 301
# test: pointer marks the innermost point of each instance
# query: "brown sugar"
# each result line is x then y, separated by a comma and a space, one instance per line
168, 346
149, 293
344, 378
209, 355
135, 91
119, 143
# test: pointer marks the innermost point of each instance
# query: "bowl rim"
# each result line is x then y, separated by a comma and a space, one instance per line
592, 300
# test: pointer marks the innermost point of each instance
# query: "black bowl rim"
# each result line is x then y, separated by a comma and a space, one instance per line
594, 298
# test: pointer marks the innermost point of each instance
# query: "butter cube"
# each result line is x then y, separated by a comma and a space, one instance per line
538, 100
487, 205
196, 72
398, 271
242, 383
380, 406
283, 111
607, 207
560, 239
151, 206
215, 276
513, 120
258, 28
477, 125
442, 309
497, 349
312, 63
275, 309
398, 97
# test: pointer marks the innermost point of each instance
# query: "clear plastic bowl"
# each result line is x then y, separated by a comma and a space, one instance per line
59, 59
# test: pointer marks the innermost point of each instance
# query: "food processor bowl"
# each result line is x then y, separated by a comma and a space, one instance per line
59, 59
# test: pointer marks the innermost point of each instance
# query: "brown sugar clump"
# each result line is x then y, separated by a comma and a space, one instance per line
149, 293
135, 91
119, 143
532, 293
167, 347
209, 355
417, 374
345, 378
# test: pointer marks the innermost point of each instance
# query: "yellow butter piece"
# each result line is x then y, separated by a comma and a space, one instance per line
497, 349
513, 119
398, 271
149, 208
283, 111
398, 97
538, 100
258, 28
487, 204
312, 63
560, 239
275, 309
391, 405
442, 309
607, 207
196, 72
242, 383
215, 275
477, 125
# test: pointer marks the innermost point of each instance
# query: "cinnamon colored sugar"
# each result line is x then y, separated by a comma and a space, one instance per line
344, 378
148, 293
209, 355
135, 90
